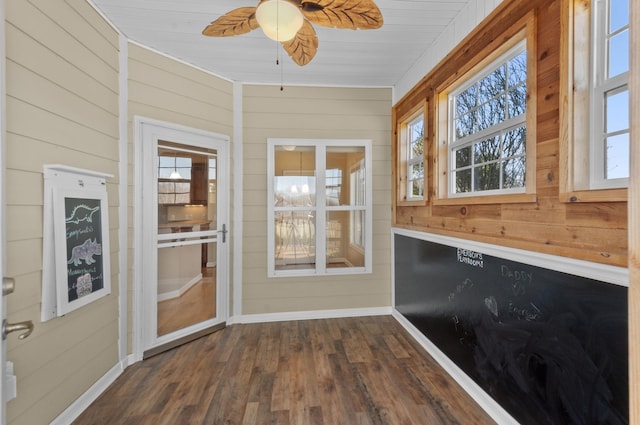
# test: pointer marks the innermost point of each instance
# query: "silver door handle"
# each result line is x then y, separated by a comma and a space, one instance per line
224, 233
8, 285
7, 328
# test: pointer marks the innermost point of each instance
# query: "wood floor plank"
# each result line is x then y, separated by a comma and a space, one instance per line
353, 371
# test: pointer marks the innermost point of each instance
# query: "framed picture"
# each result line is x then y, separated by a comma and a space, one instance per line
81, 229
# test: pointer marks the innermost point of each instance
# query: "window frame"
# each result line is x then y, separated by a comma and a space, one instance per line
403, 157
601, 85
357, 236
576, 109
174, 181
524, 32
321, 208
498, 129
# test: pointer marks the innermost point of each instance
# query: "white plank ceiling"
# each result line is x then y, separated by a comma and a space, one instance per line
371, 58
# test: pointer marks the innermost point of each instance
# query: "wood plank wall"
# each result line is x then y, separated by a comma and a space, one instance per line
62, 108
594, 231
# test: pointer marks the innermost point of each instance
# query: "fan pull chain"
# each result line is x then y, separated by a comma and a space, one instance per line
281, 76
278, 46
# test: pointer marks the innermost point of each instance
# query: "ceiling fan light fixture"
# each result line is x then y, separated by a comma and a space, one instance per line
280, 20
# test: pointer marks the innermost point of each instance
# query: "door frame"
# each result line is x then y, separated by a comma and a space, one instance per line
149, 131
3, 208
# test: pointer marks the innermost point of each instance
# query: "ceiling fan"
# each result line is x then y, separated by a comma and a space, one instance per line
289, 22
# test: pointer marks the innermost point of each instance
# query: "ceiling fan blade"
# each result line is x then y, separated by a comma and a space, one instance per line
349, 14
236, 22
303, 47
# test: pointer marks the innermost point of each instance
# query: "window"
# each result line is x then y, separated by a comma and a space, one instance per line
485, 116
488, 131
594, 141
610, 95
411, 152
320, 213
174, 178
358, 186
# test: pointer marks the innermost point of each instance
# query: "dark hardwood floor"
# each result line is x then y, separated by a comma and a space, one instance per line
354, 371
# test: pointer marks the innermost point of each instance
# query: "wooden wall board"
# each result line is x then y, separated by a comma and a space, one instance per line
548, 223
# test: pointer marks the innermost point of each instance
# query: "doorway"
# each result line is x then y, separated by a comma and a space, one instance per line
183, 193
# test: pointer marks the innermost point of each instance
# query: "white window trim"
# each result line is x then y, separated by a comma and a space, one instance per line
600, 85
498, 129
403, 154
320, 208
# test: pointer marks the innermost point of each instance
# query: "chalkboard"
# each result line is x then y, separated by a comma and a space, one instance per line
85, 269
549, 347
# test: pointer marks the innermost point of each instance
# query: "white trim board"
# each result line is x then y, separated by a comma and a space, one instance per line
483, 399
588, 269
72, 412
309, 315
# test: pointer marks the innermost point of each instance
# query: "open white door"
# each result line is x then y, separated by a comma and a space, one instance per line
184, 211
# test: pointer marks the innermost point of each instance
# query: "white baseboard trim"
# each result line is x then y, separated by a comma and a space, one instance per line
72, 412
483, 399
309, 315
134, 358
178, 293
212, 264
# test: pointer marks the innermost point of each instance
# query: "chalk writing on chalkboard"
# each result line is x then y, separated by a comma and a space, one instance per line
549, 347
84, 247
470, 257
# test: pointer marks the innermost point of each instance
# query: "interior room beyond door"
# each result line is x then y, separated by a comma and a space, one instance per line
187, 244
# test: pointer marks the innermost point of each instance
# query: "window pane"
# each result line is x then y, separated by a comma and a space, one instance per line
213, 164
491, 113
294, 191
486, 177
466, 101
416, 131
617, 162
463, 157
357, 230
340, 253
617, 111
341, 161
357, 185
166, 198
518, 100
513, 173
463, 181
618, 54
492, 85
465, 125
486, 150
294, 181
517, 69
416, 171
183, 198
295, 240
417, 188
618, 14
514, 142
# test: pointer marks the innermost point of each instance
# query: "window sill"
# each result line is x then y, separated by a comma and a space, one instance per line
412, 203
518, 198
601, 195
